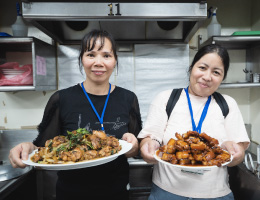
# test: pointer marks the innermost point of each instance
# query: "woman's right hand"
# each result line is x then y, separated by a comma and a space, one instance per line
147, 148
20, 152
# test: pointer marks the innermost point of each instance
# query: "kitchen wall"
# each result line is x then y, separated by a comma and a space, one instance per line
24, 109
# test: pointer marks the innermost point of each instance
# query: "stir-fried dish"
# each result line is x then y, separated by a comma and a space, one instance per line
78, 145
193, 149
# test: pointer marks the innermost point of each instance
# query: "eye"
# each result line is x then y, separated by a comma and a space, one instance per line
202, 67
90, 55
216, 72
107, 56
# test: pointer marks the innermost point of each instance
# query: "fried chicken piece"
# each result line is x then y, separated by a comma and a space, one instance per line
100, 134
95, 141
36, 157
105, 151
58, 140
73, 155
112, 141
91, 154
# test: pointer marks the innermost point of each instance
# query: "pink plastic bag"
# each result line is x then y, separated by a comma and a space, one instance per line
12, 74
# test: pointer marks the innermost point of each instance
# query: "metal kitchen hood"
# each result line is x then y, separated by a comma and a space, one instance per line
67, 22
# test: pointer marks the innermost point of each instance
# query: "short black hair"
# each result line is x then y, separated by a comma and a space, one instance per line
88, 43
213, 48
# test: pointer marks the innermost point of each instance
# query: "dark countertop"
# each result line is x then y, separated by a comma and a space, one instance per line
243, 183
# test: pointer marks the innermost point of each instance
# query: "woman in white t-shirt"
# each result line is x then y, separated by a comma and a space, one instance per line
208, 69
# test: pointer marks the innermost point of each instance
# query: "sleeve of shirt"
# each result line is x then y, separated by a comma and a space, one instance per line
157, 118
234, 123
50, 124
135, 123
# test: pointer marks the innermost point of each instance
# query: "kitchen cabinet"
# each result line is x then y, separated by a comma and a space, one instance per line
31, 51
249, 43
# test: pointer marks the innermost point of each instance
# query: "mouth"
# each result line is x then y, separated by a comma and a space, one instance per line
204, 85
98, 73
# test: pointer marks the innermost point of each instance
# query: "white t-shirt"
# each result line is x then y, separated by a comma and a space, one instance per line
211, 184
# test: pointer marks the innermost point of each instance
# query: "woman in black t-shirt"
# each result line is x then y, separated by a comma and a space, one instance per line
94, 104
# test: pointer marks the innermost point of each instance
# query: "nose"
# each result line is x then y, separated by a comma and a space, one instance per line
98, 60
207, 75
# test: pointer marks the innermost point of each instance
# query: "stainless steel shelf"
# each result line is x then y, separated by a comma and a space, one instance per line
234, 42
41, 55
239, 85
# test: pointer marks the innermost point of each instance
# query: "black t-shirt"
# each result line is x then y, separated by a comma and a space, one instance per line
69, 109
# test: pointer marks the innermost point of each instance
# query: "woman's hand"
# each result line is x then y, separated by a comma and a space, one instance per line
130, 138
148, 147
20, 152
237, 150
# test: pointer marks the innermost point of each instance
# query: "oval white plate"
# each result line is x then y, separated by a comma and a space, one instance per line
88, 163
190, 167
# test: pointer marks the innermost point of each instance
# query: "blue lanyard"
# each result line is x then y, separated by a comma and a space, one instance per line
203, 115
93, 107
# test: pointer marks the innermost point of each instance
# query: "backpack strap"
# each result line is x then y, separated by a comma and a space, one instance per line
175, 95
222, 103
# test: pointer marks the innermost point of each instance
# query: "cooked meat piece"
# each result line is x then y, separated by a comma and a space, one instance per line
200, 146
192, 140
100, 134
179, 137
182, 155
74, 155
181, 145
224, 156
171, 146
91, 154
36, 157
168, 157
209, 156
58, 140
190, 133
110, 141
210, 140
106, 151
95, 141
198, 157
184, 161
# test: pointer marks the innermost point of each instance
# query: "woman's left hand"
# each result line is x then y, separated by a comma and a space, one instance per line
130, 138
237, 150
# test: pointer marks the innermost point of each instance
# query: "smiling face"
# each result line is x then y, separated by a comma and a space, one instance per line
99, 63
206, 75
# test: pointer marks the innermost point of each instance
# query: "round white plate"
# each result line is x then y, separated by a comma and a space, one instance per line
189, 167
88, 163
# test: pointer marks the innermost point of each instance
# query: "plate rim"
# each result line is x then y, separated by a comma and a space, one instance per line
191, 167
83, 164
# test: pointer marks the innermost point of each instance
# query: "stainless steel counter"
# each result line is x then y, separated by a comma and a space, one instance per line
11, 179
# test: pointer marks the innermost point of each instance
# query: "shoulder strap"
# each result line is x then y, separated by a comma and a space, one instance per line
175, 95
222, 103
